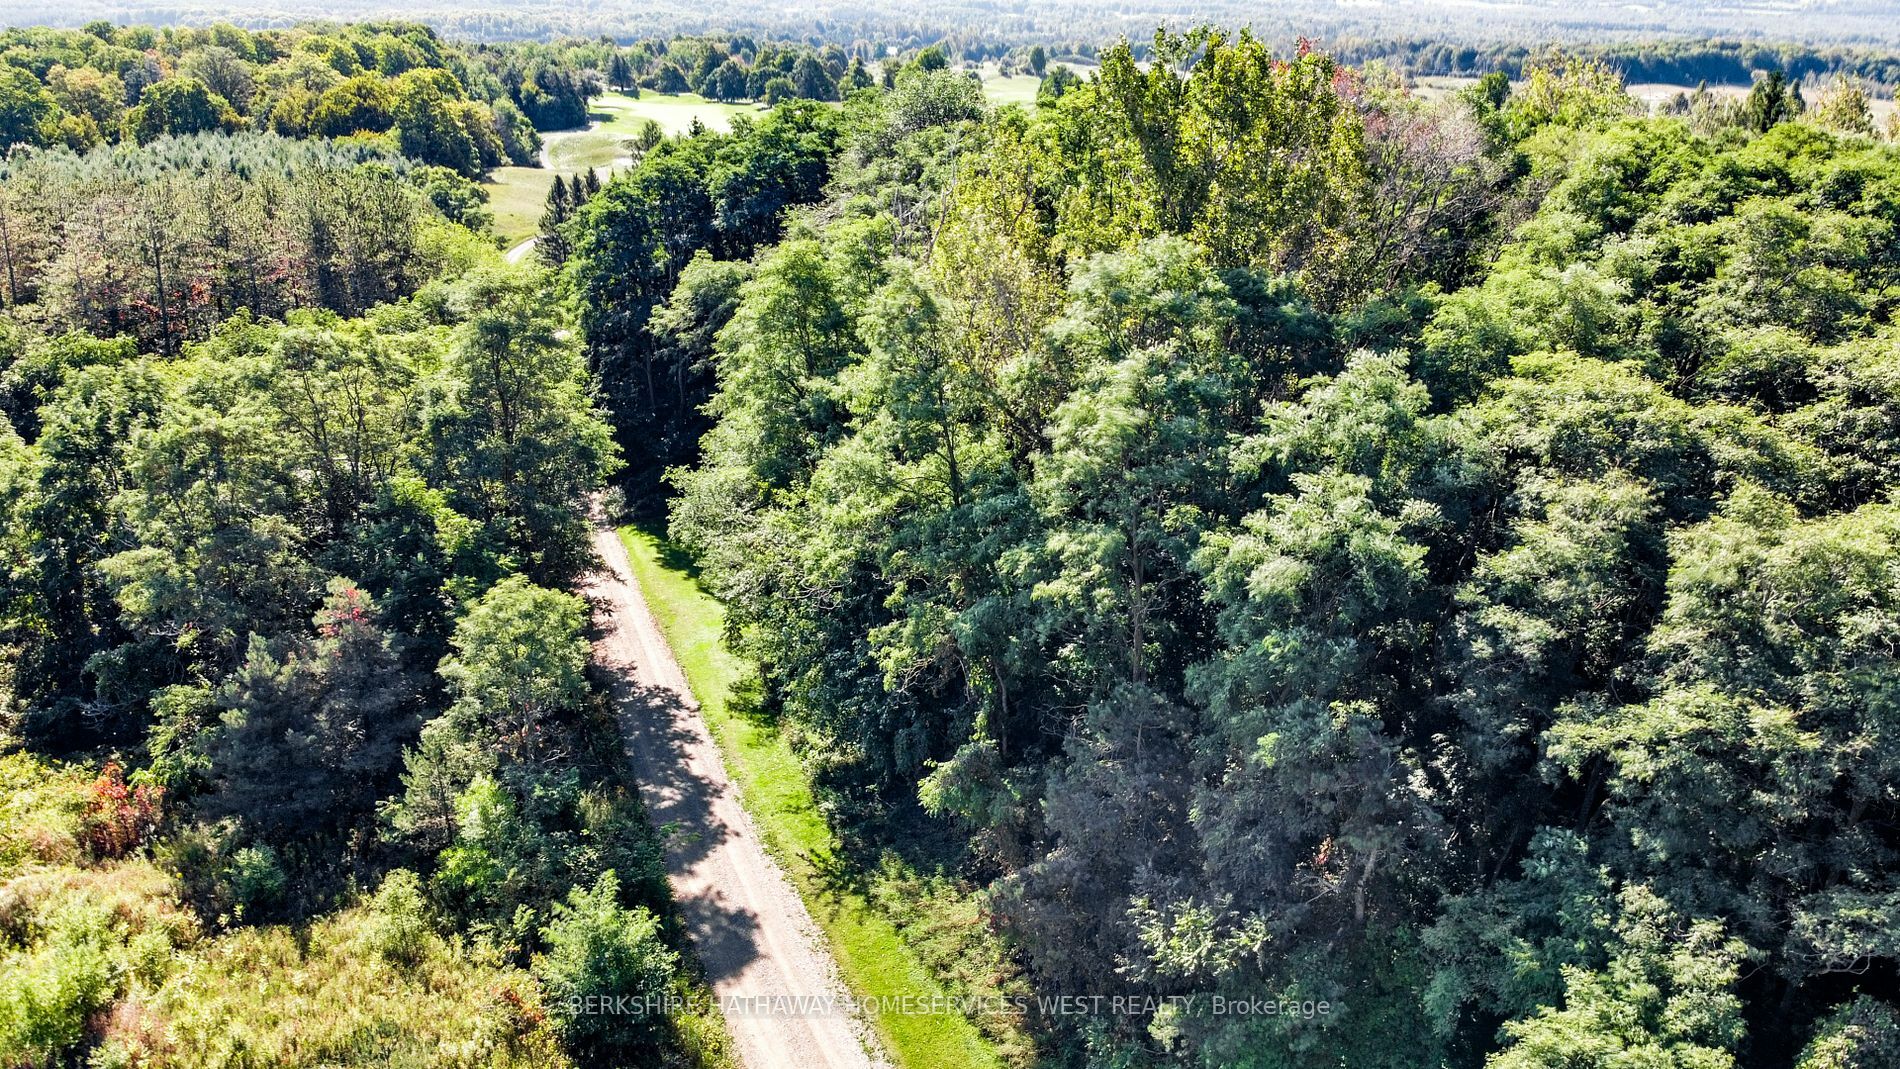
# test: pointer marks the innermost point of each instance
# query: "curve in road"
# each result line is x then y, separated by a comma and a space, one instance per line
520, 252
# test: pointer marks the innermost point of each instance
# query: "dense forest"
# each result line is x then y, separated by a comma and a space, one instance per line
1263, 537
308, 575
393, 85
1316, 545
293, 478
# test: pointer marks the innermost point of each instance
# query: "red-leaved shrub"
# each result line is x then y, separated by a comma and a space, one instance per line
119, 817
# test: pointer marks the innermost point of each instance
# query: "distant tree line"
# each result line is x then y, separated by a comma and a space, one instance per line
1682, 62
964, 26
737, 67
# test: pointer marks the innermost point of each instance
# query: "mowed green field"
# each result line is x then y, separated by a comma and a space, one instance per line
617, 121
674, 112
1002, 89
517, 194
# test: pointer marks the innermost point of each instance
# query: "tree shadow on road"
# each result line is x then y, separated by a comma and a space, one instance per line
658, 735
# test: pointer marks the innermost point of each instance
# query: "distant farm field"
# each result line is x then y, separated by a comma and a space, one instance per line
1652, 94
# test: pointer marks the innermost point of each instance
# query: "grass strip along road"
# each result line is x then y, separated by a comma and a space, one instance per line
873, 958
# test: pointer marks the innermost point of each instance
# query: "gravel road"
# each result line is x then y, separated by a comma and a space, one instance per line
765, 958
520, 251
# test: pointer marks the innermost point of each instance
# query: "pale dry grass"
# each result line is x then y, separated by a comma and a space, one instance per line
321, 996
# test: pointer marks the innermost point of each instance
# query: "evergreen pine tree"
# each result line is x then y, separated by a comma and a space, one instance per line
552, 244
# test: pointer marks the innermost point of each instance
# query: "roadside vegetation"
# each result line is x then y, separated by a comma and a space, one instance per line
897, 932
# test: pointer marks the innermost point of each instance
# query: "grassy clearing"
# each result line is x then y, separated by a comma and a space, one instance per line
894, 932
517, 194
617, 119
1004, 89
674, 112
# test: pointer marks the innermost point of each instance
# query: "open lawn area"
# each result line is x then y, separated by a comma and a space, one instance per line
1004, 89
517, 194
617, 119
674, 112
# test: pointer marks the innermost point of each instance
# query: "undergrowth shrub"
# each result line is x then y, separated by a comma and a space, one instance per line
398, 924
225, 883
40, 812
48, 992
81, 938
333, 994
598, 949
120, 818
